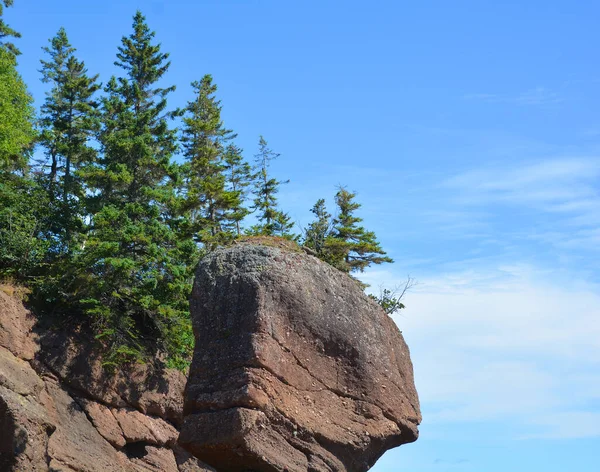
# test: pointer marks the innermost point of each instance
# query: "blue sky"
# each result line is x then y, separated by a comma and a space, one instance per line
471, 133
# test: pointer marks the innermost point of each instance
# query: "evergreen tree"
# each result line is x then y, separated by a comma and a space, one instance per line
238, 174
351, 247
282, 225
272, 221
211, 203
135, 273
318, 231
69, 119
6, 31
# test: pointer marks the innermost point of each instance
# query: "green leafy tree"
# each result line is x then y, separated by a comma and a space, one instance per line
272, 221
238, 174
211, 203
351, 247
69, 120
6, 31
23, 211
16, 116
22, 249
134, 275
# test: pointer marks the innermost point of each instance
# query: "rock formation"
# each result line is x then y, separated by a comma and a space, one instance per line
295, 369
61, 411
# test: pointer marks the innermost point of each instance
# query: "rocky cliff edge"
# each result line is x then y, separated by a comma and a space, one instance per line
294, 369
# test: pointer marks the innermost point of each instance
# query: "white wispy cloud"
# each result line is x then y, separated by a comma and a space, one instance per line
533, 96
564, 189
509, 345
563, 184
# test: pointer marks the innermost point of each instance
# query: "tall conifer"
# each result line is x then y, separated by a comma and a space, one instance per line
211, 203
238, 174
351, 247
135, 271
272, 221
318, 231
69, 120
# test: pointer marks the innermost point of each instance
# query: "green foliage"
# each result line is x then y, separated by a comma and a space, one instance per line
272, 221
238, 175
137, 141
23, 248
352, 247
388, 301
109, 228
69, 120
318, 231
16, 116
213, 171
134, 274
6, 31
340, 241
391, 299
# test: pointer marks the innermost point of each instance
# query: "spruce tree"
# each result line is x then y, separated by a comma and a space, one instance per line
272, 221
69, 120
6, 31
238, 174
135, 272
318, 231
212, 205
351, 247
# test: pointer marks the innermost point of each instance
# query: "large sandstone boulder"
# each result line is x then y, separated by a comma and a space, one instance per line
295, 369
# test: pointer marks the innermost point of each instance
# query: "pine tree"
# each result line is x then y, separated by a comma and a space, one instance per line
211, 203
135, 273
351, 247
69, 120
6, 31
238, 174
272, 221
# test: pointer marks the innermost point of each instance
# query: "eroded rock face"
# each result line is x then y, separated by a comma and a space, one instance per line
60, 411
295, 369
16, 327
